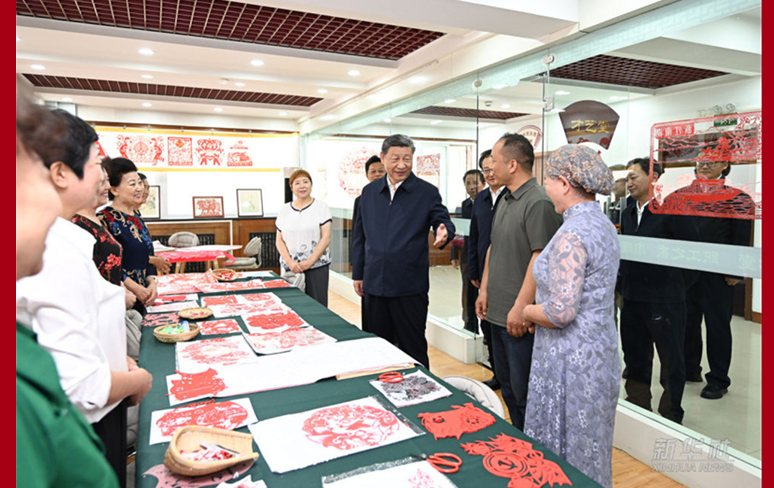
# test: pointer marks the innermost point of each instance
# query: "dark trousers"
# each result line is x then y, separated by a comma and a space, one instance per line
401, 321
712, 299
112, 430
486, 329
316, 281
469, 297
512, 361
642, 326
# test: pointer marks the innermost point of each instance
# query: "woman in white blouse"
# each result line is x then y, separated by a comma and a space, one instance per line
303, 236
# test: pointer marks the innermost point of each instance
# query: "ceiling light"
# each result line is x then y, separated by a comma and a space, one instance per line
218, 109
562, 92
67, 99
328, 117
283, 114
147, 104
147, 77
146, 51
505, 105
436, 122
449, 100
38, 67
223, 81
418, 80
353, 72
322, 91
239, 83
256, 62
388, 120
500, 86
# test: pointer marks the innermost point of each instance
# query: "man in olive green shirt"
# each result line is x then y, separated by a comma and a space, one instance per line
523, 224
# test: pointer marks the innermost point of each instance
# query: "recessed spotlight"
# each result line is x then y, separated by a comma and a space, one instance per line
449, 100
147, 77
500, 86
218, 109
38, 67
239, 83
146, 51
562, 92
224, 81
328, 117
283, 114
505, 105
322, 91
436, 122
353, 72
257, 63
147, 104
67, 99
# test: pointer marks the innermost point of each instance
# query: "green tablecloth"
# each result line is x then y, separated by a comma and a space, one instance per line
159, 359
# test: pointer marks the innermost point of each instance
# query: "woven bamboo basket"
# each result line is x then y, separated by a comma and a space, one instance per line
186, 336
222, 274
195, 313
189, 438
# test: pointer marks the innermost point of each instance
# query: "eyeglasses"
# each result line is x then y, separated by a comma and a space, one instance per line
488, 171
709, 164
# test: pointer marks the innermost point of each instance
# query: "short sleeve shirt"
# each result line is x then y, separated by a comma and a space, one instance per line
301, 231
524, 222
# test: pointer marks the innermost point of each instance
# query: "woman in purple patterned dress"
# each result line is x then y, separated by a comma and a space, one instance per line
575, 375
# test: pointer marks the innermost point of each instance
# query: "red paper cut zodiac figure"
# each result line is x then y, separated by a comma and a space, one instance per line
197, 384
350, 426
509, 457
209, 151
459, 420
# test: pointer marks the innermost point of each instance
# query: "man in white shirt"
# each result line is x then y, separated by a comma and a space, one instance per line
79, 316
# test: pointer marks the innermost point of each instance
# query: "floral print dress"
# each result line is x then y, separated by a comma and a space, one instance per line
575, 375
107, 251
130, 231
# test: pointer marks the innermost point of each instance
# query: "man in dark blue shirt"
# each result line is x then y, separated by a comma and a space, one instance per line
390, 252
484, 207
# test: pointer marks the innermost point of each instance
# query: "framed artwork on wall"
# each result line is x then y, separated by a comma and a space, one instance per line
207, 207
151, 209
249, 203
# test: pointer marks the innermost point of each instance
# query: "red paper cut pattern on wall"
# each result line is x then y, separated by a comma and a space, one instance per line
168, 479
274, 320
422, 480
196, 385
228, 326
459, 420
142, 149
209, 151
157, 319
509, 457
429, 165
350, 426
238, 156
100, 149
737, 148
352, 170
218, 351
180, 151
224, 415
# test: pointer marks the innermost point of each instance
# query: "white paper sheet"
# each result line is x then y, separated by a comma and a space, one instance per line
172, 307
258, 274
247, 309
415, 388
245, 483
228, 415
295, 441
411, 475
286, 340
222, 351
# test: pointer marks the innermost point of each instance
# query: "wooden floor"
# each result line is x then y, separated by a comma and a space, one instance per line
627, 471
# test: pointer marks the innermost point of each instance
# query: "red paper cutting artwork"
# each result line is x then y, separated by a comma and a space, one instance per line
250, 308
348, 427
142, 149
224, 415
274, 321
276, 284
238, 156
422, 480
157, 319
233, 286
459, 420
221, 300
429, 165
258, 297
211, 327
180, 151
352, 170
509, 457
168, 479
287, 339
209, 151
223, 351
197, 385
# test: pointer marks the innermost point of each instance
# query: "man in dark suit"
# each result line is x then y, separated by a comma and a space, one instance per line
479, 239
390, 254
474, 181
374, 169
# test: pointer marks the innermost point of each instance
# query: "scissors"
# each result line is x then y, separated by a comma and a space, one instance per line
438, 461
391, 377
